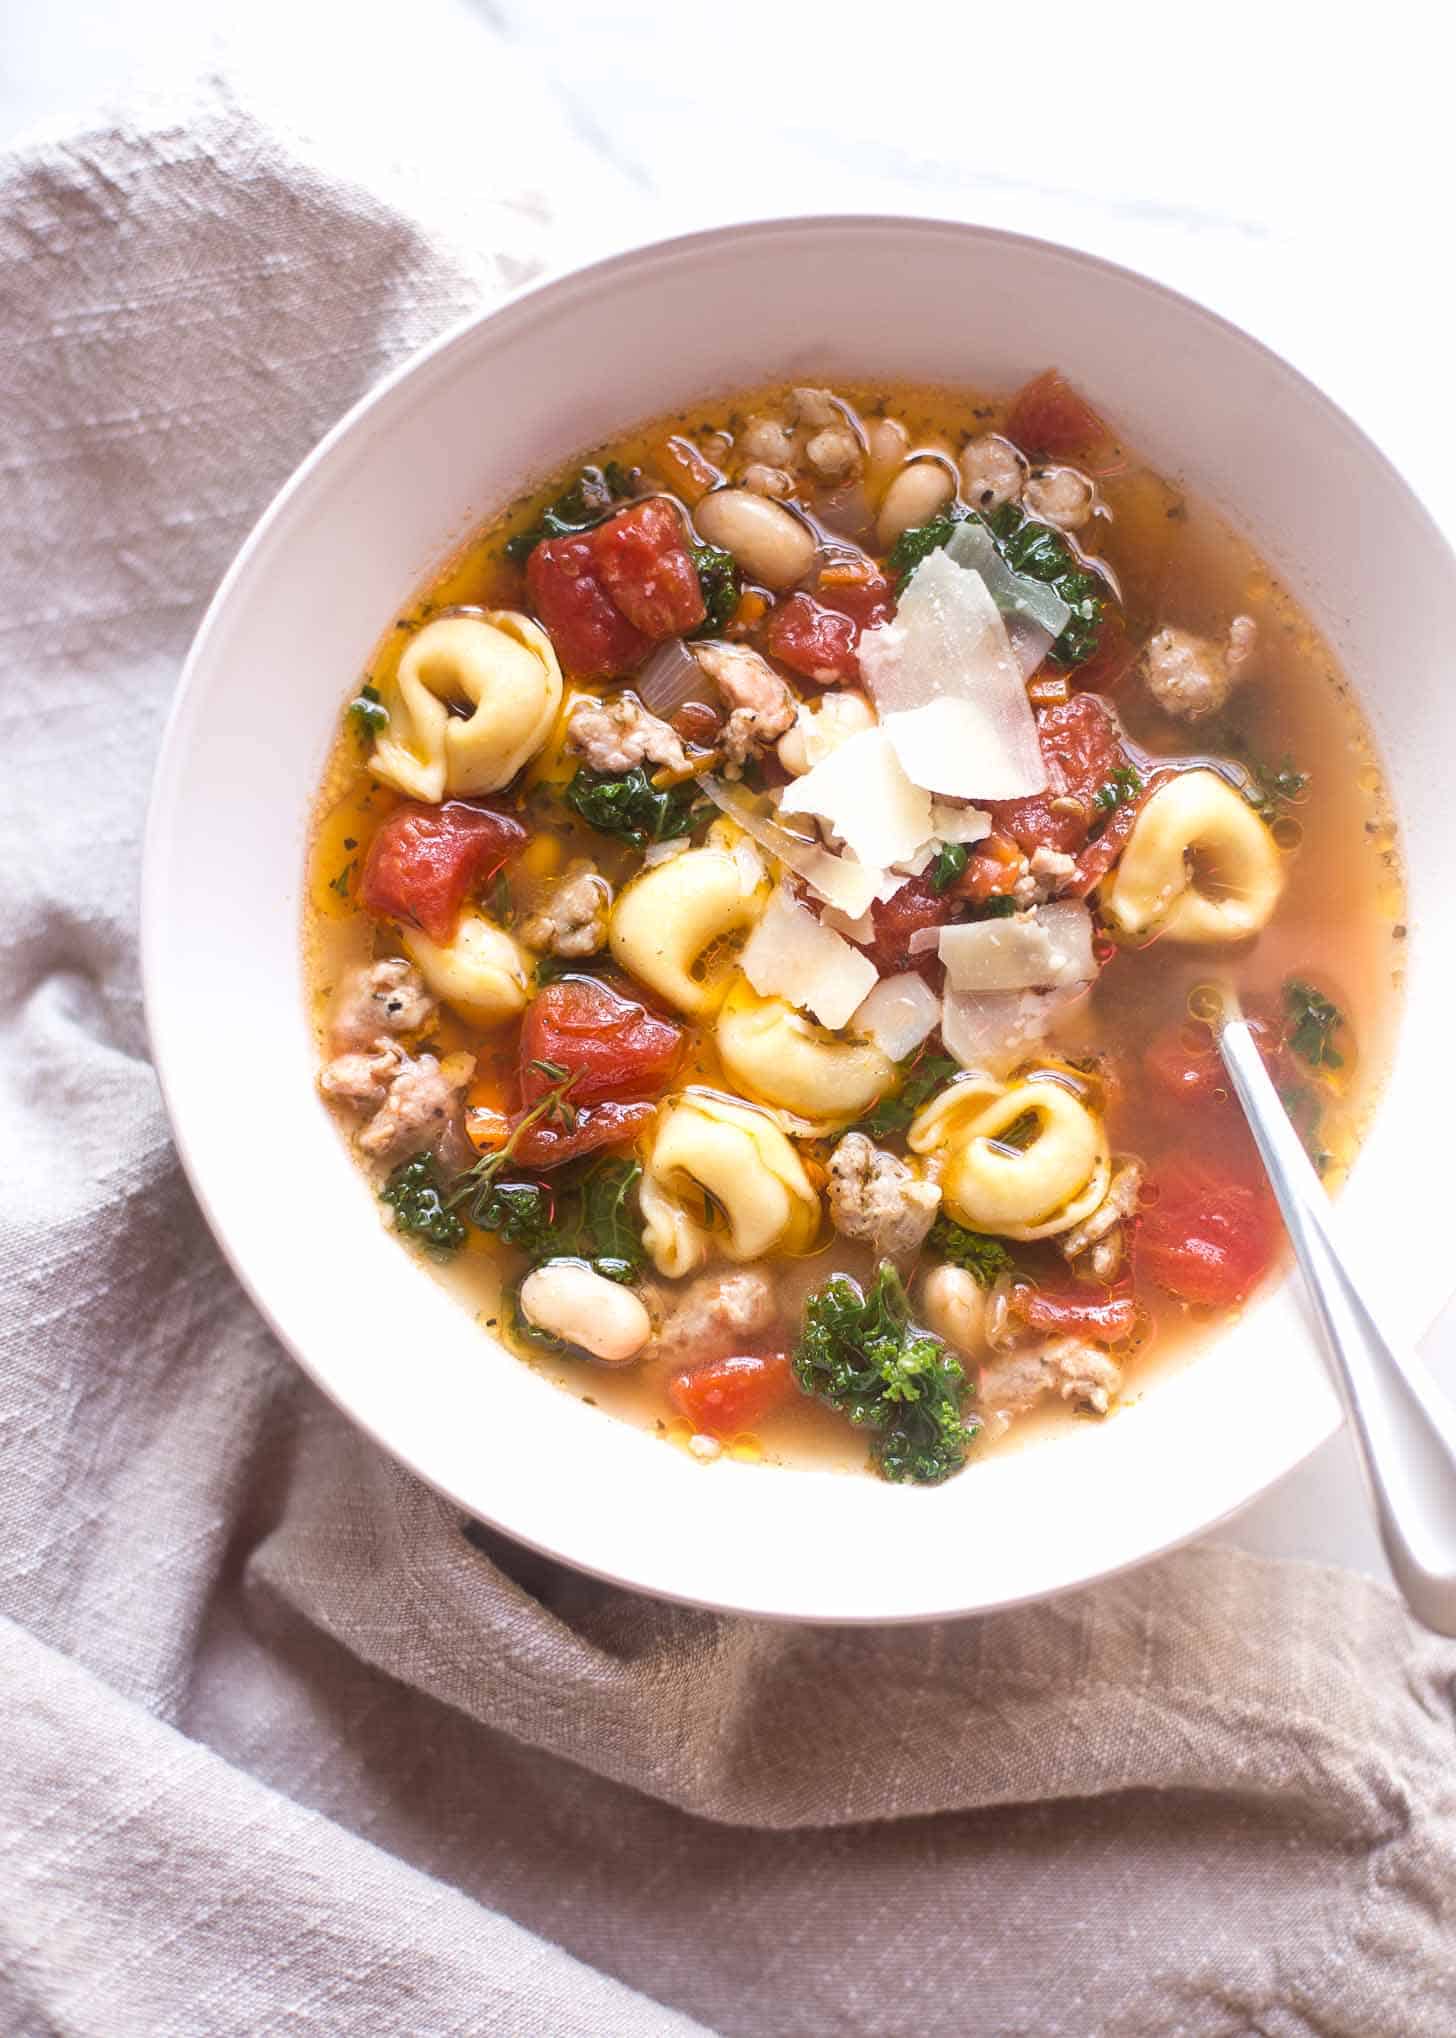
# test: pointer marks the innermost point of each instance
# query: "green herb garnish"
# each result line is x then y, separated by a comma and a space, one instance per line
1000, 906
860, 1353
985, 1259
1268, 787
1122, 785
921, 1081
414, 1193
368, 713
1313, 1022
342, 881
590, 497
628, 804
950, 860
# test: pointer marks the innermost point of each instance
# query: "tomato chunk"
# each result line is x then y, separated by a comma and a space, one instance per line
1048, 416
1212, 1233
610, 1046
726, 1395
553, 1140
1079, 742
1113, 659
991, 870
814, 640
424, 861
643, 559
915, 905
591, 636
1182, 1063
1098, 1314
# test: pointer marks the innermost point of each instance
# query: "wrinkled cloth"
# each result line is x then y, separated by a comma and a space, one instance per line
293, 1749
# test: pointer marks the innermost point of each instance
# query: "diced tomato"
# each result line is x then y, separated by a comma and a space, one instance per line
991, 870
591, 636
610, 1046
914, 906
726, 1395
644, 563
1095, 1313
1212, 1232
553, 1140
1049, 417
1098, 857
815, 641
859, 591
1079, 743
1183, 1064
424, 861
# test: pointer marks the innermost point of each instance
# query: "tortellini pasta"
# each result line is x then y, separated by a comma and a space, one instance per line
668, 922
1049, 1178
712, 1153
481, 973
1199, 866
776, 1053
501, 667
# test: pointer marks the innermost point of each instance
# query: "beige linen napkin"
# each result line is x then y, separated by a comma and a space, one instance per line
288, 1752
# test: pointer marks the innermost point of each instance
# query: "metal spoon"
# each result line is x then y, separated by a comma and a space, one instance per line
1404, 1426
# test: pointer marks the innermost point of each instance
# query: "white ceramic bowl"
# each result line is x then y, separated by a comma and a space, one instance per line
449, 438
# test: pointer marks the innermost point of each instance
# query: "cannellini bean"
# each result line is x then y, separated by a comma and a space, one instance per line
918, 493
955, 1308
887, 442
585, 1309
769, 543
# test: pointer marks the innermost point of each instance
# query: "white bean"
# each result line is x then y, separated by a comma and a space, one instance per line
768, 542
585, 1309
918, 493
955, 1308
886, 442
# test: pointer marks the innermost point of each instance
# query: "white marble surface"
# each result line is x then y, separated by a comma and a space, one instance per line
1268, 160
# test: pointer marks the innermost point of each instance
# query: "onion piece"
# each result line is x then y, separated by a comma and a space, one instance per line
1035, 614
852, 887
899, 1013
671, 676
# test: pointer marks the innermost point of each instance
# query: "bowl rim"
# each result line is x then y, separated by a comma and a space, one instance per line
546, 295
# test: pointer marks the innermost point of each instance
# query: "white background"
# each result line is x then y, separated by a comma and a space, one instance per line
1289, 165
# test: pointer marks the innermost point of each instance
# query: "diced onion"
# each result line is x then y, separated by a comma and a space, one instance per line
850, 886
898, 1015
671, 676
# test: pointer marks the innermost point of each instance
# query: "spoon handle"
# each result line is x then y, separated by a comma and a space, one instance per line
1404, 1426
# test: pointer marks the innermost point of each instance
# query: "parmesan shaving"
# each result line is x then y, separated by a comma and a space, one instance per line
950, 691
898, 1015
845, 884
1034, 614
1048, 948
864, 795
792, 955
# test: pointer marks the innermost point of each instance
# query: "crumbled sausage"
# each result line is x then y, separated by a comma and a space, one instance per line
834, 453
614, 735
714, 1314
377, 1000
815, 407
1069, 1366
877, 1197
1096, 1245
992, 472
1043, 877
570, 918
762, 704
766, 441
775, 482
419, 1109
362, 1076
1191, 677
1059, 496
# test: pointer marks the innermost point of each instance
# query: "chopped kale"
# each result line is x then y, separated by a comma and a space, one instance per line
919, 542
718, 578
1121, 786
587, 1212
921, 1081
1000, 906
1029, 548
628, 804
590, 497
368, 713
950, 860
1268, 787
414, 1193
862, 1355
1312, 1024
985, 1259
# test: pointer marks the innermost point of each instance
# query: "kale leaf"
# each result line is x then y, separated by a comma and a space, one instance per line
628, 804
415, 1195
921, 1081
718, 578
1312, 1025
589, 498
1268, 787
861, 1354
919, 542
950, 860
587, 1212
1029, 548
984, 1259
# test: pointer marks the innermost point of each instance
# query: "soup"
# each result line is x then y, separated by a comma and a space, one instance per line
768, 899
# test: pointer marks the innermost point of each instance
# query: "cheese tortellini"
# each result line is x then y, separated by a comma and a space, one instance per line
668, 922
1199, 866
1052, 1175
714, 1154
501, 667
776, 1053
481, 973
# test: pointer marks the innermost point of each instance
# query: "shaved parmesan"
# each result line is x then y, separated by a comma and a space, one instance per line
863, 793
950, 691
1035, 614
988, 1029
899, 1013
958, 824
859, 927
845, 884
1047, 948
792, 955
